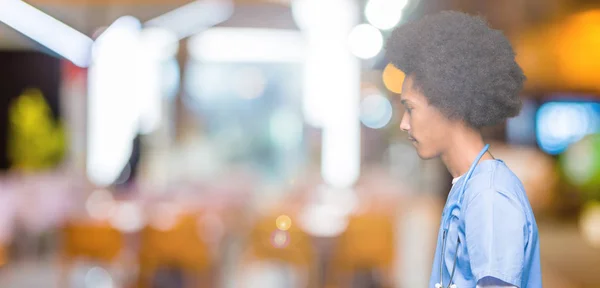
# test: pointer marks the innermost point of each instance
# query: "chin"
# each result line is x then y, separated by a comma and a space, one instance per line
426, 155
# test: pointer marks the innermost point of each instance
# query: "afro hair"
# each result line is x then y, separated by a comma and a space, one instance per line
464, 68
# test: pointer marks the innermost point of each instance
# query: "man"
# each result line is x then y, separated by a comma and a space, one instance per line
461, 76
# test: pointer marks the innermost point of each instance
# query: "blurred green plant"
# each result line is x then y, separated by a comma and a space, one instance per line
36, 141
581, 166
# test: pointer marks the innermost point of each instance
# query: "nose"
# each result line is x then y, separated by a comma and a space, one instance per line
404, 123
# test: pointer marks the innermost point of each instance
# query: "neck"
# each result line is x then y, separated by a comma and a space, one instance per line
462, 151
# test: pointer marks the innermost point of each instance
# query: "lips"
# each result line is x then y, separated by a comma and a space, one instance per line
412, 139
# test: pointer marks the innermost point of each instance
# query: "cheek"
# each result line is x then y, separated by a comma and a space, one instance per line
427, 128
418, 124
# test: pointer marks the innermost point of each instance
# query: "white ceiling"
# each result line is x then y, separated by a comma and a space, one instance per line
88, 19
83, 18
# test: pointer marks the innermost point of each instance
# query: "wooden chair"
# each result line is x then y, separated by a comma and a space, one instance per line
92, 241
98, 241
367, 245
179, 246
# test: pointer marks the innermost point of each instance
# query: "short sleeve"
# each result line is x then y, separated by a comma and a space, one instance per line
495, 236
491, 282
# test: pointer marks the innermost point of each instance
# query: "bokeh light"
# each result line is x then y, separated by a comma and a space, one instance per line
98, 277
385, 14
324, 220
280, 239
561, 123
165, 216
581, 164
114, 100
128, 217
375, 111
100, 205
365, 41
328, 216
317, 16
589, 222
393, 78
283, 222
576, 51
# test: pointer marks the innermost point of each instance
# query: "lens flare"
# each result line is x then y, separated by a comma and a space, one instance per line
280, 239
283, 222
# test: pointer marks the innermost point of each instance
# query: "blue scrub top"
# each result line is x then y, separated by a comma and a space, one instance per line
497, 230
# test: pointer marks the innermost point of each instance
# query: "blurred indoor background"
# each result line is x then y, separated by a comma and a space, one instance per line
255, 143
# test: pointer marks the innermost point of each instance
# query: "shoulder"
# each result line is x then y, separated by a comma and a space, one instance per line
495, 223
490, 180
